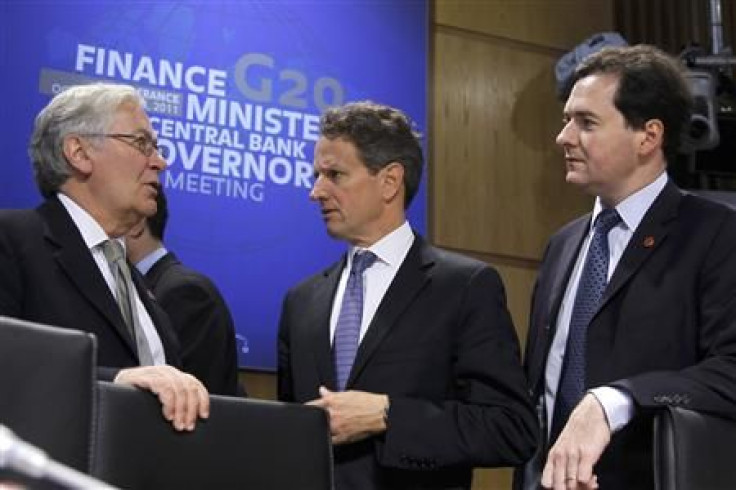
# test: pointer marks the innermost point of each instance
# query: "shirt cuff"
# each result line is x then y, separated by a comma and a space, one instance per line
617, 404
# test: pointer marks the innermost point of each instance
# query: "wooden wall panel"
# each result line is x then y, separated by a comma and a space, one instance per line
492, 479
553, 23
259, 384
498, 182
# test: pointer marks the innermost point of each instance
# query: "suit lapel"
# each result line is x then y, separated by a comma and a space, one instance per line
413, 275
566, 261
559, 274
159, 317
647, 238
318, 323
75, 259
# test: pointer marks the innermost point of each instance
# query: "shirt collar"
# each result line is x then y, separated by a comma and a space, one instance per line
91, 231
392, 248
633, 208
144, 265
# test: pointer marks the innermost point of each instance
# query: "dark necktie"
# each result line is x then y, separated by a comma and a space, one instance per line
593, 281
113, 251
347, 330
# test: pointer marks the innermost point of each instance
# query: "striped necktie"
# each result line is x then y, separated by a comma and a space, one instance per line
347, 330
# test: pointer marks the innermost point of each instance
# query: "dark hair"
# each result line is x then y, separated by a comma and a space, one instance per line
157, 223
651, 86
382, 135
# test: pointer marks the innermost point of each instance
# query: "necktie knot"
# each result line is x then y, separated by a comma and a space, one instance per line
113, 251
607, 220
362, 261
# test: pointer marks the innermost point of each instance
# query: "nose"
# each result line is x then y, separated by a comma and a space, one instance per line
317, 193
565, 136
157, 161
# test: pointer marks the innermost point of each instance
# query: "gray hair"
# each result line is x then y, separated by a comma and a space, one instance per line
81, 109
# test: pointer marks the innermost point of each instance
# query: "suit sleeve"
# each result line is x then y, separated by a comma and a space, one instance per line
709, 384
490, 421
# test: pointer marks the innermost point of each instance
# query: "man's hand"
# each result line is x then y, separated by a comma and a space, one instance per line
182, 396
354, 415
570, 461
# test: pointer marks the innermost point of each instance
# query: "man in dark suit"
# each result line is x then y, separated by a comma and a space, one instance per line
198, 312
96, 163
415, 359
663, 329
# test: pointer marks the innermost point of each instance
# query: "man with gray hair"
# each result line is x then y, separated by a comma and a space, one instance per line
97, 163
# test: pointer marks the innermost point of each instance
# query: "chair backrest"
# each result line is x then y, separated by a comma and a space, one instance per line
46, 388
693, 451
245, 443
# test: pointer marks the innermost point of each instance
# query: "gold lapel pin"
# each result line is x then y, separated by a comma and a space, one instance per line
648, 241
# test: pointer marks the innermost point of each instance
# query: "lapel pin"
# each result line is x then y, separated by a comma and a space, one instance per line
648, 241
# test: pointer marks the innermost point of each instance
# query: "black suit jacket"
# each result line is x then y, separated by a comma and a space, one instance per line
666, 328
48, 275
202, 321
443, 347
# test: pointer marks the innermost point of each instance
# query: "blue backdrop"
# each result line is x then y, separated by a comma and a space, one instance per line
234, 90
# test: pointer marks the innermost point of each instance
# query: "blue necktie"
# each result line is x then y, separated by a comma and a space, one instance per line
347, 330
593, 281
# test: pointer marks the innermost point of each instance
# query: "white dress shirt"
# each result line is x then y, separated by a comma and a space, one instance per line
617, 404
94, 236
390, 253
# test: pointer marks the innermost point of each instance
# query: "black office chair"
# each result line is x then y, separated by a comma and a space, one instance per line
693, 451
46, 389
245, 443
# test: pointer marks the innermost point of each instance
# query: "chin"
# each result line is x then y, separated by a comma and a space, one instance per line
575, 178
149, 209
337, 232
334, 233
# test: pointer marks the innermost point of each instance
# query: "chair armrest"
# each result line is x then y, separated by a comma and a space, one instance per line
693, 450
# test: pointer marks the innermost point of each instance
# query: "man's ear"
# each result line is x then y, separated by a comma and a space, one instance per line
393, 180
651, 137
75, 150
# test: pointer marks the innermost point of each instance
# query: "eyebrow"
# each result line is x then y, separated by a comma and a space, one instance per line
328, 164
579, 113
148, 133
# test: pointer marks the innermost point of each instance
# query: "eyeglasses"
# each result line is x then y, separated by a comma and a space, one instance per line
141, 142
